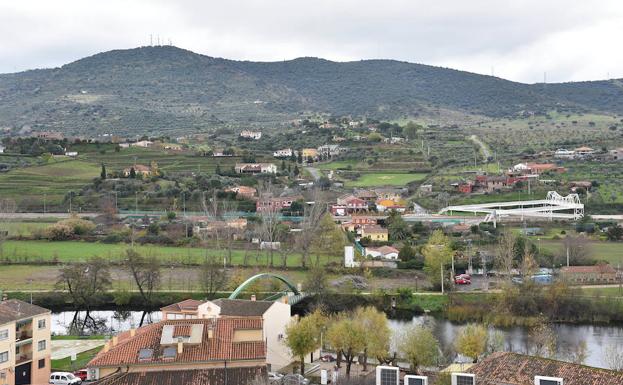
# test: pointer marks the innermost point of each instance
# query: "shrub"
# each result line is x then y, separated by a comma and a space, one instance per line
60, 232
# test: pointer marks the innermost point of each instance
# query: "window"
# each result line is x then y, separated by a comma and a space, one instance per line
4, 334
4, 357
41, 345
169, 352
41, 324
387, 375
540, 380
145, 354
415, 380
41, 363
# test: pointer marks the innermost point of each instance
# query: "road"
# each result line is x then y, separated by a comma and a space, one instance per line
315, 173
483, 147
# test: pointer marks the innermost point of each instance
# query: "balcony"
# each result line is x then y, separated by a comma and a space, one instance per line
23, 358
23, 335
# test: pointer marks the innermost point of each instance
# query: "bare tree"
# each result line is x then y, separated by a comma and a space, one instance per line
286, 248
7, 206
212, 276
506, 253
309, 225
86, 283
146, 274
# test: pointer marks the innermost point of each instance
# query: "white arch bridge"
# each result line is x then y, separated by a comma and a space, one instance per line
554, 206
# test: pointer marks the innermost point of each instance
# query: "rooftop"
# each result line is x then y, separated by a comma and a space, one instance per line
217, 345
518, 369
185, 305
14, 310
191, 377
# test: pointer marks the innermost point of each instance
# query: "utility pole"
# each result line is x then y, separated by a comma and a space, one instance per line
44, 202
136, 202
441, 265
567, 256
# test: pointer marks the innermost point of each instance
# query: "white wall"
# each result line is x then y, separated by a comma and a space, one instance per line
276, 318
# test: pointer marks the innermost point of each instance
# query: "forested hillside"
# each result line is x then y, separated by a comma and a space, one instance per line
167, 89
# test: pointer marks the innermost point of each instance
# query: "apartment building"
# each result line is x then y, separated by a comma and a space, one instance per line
25, 343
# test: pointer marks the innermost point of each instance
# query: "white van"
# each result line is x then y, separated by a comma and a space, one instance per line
64, 378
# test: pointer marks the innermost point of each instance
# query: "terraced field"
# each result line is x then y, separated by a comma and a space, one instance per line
54, 179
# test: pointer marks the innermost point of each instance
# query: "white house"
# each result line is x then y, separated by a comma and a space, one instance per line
285, 153
143, 143
72, 154
256, 168
276, 316
385, 252
255, 135
563, 153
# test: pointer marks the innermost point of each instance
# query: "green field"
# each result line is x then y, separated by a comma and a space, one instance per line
384, 179
24, 228
611, 252
54, 179
73, 251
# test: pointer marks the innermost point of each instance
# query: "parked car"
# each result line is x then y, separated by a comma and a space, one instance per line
64, 378
81, 374
274, 378
327, 358
462, 281
295, 379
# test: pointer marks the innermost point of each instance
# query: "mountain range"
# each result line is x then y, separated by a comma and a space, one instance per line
163, 89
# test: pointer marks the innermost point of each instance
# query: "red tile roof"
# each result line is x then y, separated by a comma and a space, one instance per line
217, 376
218, 348
185, 305
518, 369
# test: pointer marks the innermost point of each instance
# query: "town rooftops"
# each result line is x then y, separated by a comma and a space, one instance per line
185, 305
242, 308
14, 310
216, 343
215, 376
518, 369
594, 269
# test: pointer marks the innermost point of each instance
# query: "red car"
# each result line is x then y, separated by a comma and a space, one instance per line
81, 374
459, 280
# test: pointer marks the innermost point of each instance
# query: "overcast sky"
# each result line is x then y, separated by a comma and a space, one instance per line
516, 39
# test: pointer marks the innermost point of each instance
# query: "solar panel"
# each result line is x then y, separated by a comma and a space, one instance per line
541, 380
169, 352
387, 375
145, 354
415, 380
463, 379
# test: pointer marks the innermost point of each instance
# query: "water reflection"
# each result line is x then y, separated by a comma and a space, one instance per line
100, 322
517, 339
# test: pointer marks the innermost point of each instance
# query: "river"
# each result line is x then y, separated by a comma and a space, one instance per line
516, 339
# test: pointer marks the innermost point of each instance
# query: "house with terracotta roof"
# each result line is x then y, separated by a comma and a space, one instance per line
518, 369
272, 204
255, 168
243, 191
25, 343
139, 169
374, 232
180, 345
384, 252
602, 273
275, 316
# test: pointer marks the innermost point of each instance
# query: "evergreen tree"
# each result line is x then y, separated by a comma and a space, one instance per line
132, 173
299, 158
283, 165
103, 173
296, 170
217, 171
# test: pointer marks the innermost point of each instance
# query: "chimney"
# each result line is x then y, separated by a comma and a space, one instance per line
106, 347
180, 345
253, 297
114, 340
132, 332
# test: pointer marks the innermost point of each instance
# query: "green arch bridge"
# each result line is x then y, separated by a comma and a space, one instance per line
293, 295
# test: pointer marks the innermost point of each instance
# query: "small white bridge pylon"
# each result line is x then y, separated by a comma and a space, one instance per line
554, 206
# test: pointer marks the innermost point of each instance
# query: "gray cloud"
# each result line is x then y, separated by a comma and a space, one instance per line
570, 40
